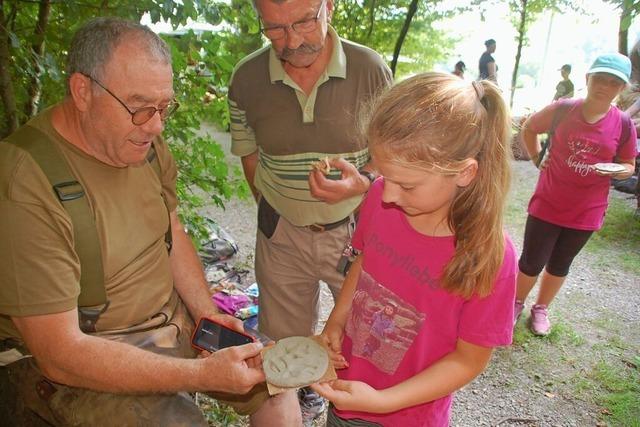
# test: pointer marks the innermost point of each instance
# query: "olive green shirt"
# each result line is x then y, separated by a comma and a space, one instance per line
39, 269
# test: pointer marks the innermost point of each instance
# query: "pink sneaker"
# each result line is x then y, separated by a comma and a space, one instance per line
517, 311
539, 320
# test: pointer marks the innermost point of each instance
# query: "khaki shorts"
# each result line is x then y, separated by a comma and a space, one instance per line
70, 406
289, 265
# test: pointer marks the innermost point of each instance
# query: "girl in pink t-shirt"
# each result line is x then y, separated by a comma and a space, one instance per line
571, 196
431, 292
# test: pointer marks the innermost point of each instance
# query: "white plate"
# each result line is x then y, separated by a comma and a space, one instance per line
609, 167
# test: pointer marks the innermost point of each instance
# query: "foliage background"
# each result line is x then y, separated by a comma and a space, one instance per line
34, 37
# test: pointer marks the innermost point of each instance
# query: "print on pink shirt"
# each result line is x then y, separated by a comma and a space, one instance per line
381, 326
409, 263
580, 152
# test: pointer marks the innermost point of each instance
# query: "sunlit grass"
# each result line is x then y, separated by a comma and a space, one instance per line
618, 242
619, 392
561, 334
611, 380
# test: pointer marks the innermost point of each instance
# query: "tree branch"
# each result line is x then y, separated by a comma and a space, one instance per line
623, 27
34, 86
6, 85
521, 34
413, 8
372, 15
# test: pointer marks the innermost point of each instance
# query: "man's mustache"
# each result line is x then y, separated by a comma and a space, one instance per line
304, 48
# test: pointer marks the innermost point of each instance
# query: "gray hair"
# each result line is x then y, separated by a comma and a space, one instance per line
93, 44
255, 4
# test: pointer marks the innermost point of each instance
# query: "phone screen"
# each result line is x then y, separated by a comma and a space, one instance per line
211, 336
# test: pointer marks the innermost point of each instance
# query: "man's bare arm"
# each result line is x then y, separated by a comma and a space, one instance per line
68, 356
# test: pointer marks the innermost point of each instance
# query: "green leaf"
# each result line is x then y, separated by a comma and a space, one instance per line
14, 40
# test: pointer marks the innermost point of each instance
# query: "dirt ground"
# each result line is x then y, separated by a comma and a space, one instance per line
537, 381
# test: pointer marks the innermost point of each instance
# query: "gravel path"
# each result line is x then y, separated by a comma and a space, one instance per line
537, 381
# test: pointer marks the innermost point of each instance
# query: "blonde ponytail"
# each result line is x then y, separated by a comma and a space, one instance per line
437, 119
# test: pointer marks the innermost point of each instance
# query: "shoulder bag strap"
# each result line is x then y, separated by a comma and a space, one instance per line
73, 198
152, 159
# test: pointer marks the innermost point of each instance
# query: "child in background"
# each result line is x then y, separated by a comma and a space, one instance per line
571, 196
564, 89
432, 248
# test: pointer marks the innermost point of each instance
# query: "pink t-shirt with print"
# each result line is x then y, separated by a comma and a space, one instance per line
569, 193
401, 321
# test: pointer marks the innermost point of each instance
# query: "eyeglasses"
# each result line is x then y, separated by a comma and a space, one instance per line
300, 27
144, 114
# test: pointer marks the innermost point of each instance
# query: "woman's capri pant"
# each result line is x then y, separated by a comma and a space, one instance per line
551, 245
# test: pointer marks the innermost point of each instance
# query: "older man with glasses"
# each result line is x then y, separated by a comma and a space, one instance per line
294, 103
99, 283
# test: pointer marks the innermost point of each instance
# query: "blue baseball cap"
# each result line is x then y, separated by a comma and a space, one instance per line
612, 63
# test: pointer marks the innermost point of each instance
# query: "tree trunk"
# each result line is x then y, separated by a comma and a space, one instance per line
622, 41
623, 30
372, 15
521, 34
413, 8
34, 87
6, 85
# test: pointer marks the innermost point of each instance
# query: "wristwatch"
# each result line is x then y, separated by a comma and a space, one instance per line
371, 177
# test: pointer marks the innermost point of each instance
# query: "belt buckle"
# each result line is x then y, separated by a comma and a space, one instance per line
316, 228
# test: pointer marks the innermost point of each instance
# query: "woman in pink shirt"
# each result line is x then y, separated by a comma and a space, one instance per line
431, 293
593, 142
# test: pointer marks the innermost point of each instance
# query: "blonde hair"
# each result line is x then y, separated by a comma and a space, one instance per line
434, 121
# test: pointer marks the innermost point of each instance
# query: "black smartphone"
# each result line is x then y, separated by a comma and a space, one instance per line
211, 336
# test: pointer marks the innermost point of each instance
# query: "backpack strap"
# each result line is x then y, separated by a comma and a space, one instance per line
625, 130
559, 114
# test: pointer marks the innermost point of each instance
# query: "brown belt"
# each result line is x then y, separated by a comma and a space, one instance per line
268, 220
318, 228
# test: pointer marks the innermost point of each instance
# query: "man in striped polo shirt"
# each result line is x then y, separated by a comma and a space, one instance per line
293, 103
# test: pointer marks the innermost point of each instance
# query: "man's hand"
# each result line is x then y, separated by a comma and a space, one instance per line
350, 184
233, 369
352, 395
228, 321
237, 325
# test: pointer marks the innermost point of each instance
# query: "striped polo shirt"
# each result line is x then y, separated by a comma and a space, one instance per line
291, 131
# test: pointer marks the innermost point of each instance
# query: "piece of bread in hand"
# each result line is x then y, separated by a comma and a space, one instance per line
322, 165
